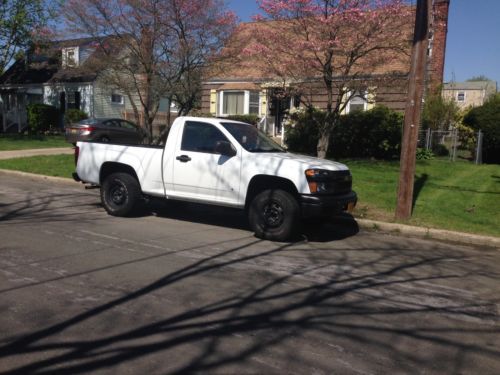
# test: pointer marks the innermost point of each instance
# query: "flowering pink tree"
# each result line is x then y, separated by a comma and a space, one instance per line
152, 49
335, 48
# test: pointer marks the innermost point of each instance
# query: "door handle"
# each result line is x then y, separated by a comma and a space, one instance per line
183, 158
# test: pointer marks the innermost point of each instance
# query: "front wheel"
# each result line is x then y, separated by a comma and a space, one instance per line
274, 215
120, 193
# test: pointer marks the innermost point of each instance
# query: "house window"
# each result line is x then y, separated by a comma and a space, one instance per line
70, 57
117, 99
238, 103
73, 99
233, 102
461, 96
358, 102
253, 108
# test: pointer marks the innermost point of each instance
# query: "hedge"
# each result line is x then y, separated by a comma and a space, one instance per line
375, 133
487, 119
42, 117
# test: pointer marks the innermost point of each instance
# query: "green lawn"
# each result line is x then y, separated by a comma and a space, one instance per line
457, 196
48, 165
10, 142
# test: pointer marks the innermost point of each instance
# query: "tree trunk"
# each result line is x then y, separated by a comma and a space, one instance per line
323, 143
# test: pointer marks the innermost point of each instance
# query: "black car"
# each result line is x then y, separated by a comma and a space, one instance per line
113, 130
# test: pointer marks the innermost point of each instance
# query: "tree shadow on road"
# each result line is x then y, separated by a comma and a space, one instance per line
391, 305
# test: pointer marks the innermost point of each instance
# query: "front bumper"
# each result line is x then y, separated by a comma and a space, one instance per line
326, 205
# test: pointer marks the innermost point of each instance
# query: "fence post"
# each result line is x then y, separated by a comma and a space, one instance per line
479, 148
428, 139
455, 144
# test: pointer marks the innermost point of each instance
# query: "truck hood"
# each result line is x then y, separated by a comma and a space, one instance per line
304, 161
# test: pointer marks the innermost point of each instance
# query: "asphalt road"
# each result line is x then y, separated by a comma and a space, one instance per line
186, 289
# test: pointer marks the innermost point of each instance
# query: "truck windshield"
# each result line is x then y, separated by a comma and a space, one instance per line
252, 139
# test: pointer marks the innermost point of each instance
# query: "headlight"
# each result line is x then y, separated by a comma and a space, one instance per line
329, 182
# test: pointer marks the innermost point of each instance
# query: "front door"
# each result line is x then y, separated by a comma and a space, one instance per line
199, 172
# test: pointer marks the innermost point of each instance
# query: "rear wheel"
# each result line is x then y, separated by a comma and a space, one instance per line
120, 193
274, 215
104, 139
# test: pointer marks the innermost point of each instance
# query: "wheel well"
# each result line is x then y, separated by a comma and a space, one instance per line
263, 182
111, 167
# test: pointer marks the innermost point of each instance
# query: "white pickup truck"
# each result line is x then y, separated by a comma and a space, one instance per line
219, 162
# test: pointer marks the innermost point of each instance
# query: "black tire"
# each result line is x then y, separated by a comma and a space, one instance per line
274, 215
120, 193
104, 139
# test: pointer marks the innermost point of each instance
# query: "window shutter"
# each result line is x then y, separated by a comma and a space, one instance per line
263, 102
370, 97
213, 102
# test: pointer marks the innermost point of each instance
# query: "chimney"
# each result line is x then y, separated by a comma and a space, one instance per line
439, 29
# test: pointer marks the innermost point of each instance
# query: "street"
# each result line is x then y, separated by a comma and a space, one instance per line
188, 289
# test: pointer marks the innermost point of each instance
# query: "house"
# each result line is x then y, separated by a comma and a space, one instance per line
469, 94
59, 75
243, 89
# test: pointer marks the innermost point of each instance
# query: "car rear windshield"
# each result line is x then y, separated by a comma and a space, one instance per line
251, 138
91, 121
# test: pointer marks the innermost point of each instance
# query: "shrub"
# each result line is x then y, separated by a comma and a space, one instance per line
374, 133
74, 115
302, 132
42, 117
440, 150
249, 119
466, 137
487, 119
424, 154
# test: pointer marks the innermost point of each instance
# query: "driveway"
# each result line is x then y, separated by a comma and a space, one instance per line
183, 288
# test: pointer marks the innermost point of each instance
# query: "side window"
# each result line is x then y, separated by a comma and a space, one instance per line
111, 124
200, 137
127, 125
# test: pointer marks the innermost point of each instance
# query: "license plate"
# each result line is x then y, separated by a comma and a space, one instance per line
74, 131
350, 206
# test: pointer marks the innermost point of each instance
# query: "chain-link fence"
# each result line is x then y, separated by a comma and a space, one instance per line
452, 144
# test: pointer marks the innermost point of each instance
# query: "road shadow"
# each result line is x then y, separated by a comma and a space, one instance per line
321, 230
361, 302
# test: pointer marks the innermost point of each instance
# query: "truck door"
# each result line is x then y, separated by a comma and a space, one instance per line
200, 173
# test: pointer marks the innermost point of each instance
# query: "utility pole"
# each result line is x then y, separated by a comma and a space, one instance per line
413, 109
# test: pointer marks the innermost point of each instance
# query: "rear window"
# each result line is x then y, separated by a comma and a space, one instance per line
91, 121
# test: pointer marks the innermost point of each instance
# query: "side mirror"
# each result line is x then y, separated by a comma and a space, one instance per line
225, 148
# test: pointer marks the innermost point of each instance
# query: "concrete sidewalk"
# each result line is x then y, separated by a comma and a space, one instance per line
35, 152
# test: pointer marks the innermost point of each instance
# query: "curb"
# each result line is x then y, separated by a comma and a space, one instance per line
373, 225
429, 233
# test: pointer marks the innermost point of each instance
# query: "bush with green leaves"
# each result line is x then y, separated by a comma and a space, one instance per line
440, 149
301, 133
74, 115
42, 118
487, 119
375, 133
424, 154
249, 119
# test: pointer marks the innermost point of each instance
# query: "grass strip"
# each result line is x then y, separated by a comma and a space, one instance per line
48, 165
11, 142
449, 195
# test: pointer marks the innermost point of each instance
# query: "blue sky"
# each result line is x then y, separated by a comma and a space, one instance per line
473, 46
